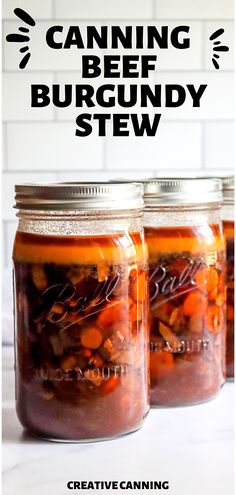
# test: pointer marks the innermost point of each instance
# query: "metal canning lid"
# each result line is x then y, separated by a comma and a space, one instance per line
228, 188
79, 196
182, 191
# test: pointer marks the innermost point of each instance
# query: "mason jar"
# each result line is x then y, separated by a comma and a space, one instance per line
183, 231
81, 308
228, 228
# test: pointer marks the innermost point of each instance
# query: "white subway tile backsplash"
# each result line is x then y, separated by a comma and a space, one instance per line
18, 108
11, 228
226, 60
4, 146
9, 180
186, 59
176, 145
37, 9
187, 172
216, 101
103, 9
46, 146
190, 9
219, 143
104, 175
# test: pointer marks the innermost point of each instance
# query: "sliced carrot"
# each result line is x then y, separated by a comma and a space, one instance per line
215, 319
111, 314
230, 313
110, 385
213, 294
212, 279
195, 303
91, 337
201, 279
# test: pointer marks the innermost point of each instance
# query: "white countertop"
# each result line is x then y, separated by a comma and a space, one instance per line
190, 447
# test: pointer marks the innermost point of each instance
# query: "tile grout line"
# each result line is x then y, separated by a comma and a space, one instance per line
203, 50
130, 19
75, 71
104, 154
53, 9
5, 240
154, 10
55, 109
203, 146
167, 120
5, 144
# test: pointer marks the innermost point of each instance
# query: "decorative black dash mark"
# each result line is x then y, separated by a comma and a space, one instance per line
23, 30
25, 61
216, 34
22, 38
221, 48
217, 46
26, 48
23, 16
17, 38
215, 63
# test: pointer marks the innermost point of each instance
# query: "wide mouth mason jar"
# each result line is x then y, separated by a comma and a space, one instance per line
228, 228
81, 309
183, 231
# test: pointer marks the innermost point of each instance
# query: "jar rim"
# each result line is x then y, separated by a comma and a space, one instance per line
79, 196
228, 189
182, 191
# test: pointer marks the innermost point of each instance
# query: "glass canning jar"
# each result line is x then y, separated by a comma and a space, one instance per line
81, 308
228, 228
183, 231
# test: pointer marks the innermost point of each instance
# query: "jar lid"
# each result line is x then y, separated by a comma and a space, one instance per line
228, 188
79, 196
181, 191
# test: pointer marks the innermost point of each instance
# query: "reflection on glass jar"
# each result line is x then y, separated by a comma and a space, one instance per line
81, 313
187, 290
228, 228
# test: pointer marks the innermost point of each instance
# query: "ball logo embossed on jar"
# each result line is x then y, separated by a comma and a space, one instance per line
161, 282
67, 303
